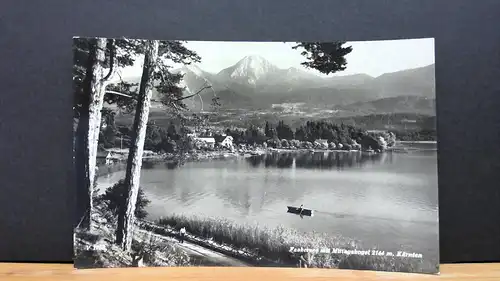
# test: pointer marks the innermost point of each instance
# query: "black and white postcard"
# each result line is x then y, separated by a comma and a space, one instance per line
282, 154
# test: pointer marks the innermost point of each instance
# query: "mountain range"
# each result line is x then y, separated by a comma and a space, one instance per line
255, 83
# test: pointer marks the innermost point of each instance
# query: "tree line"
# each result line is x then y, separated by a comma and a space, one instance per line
96, 61
338, 136
173, 138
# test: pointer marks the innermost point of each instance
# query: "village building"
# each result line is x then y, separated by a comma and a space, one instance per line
376, 131
322, 142
224, 140
208, 142
227, 142
148, 153
408, 121
106, 157
109, 159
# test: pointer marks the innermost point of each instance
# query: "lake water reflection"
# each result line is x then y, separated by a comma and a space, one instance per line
384, 200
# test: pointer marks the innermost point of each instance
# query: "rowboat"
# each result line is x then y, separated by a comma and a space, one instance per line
305, 212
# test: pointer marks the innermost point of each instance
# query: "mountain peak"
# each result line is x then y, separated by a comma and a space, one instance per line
256, 63
254, 58
252, 68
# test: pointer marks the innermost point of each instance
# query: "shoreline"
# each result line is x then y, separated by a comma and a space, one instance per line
199, 156
238, 245
119, 163
227, 250
272, 246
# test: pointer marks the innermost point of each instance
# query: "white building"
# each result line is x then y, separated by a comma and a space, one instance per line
227, 142
106, 157
205, 141
109, 160
323, 143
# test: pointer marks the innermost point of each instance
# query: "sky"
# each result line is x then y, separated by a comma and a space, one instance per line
369, 57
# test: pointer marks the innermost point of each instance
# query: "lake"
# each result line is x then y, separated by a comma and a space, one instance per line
388, 200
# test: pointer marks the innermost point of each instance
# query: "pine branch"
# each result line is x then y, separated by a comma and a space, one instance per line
159, 63
197, 93
120, 94
175, 106
127, 96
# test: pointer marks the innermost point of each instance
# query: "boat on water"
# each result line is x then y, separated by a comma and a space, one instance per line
297, 211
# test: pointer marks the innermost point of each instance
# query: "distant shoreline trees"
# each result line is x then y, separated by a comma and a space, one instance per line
313, 134
174, 138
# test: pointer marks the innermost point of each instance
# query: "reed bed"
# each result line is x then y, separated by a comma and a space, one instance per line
275, 243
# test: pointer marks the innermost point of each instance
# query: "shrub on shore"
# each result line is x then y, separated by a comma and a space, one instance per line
114, 197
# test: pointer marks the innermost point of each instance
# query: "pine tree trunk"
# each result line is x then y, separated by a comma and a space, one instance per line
95, 87
126, 218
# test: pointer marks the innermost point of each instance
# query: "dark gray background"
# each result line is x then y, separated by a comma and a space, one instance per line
37, 186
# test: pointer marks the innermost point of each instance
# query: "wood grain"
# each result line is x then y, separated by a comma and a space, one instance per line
55, 272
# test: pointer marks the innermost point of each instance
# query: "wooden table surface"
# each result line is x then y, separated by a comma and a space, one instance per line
56, 272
